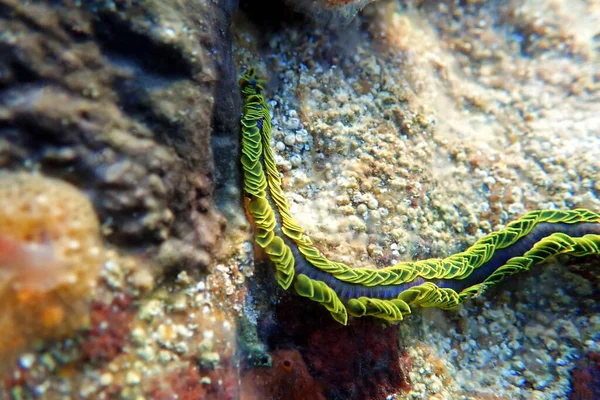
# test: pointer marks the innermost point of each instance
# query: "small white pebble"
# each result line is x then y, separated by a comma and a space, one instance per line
146, 353
181, 347
289, 139
169, 33
298, 198
292, 123
48, 361
142, 280
151, 309
164, 356
180, 303
210, 359
111, 266
26, 360
183, 277
138, 335
301, 138
132, 378
205, 380
373, 203
106, 379
296, 160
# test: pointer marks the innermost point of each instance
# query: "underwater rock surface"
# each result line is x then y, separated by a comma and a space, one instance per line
426, 126
408, 130
118, 98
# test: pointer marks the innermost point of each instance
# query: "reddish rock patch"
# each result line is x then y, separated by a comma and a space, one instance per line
288, 378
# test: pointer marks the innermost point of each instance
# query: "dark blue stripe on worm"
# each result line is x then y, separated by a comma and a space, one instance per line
347, 290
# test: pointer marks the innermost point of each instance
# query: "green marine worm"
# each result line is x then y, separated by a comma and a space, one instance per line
390, 292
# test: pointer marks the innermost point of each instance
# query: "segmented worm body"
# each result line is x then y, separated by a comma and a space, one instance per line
390, 292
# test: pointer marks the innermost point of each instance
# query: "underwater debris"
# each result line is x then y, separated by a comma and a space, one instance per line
50, 257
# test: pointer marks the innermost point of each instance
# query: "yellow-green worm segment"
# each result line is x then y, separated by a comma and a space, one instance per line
390, 292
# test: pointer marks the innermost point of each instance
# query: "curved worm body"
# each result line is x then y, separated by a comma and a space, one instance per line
390, 292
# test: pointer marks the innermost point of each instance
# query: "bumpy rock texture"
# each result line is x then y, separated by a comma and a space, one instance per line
121, 100
50, 256
118, 98
426, 125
